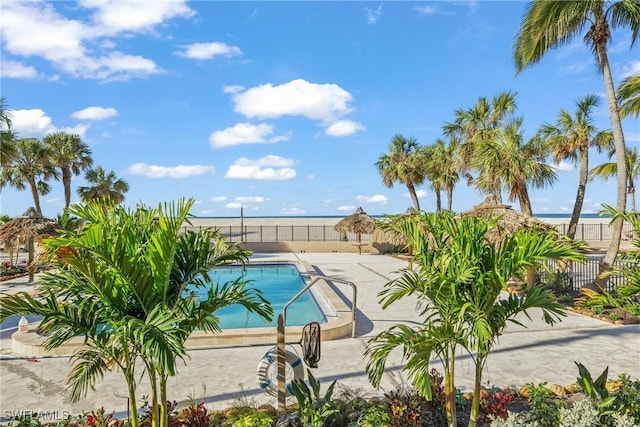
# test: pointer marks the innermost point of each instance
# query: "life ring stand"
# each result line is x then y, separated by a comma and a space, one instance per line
267, 372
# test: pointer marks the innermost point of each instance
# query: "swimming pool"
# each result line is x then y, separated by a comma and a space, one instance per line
279, 283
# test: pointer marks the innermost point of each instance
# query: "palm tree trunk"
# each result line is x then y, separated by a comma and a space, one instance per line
66, 182
414, 196
582, 185
438, 201
477, 387
450, 388
164, 414
525, 202
618, 138
36, 196
449, 198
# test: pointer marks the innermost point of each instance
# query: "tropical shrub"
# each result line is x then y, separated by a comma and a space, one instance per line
458, 276
123, 282
313, 408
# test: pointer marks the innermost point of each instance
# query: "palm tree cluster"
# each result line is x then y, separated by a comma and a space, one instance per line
486, 144
488, 141
31, 163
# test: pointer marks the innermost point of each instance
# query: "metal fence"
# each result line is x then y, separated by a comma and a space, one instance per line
284, 233
579, 274
600, 232
325, 233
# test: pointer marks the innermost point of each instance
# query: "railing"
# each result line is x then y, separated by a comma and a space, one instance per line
582, 273
600, 232
325, 233
284, 233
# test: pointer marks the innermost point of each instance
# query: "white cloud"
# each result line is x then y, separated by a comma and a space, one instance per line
324, 102
128, 16
378, 198
209, 50
218, 199
233, 205
179, 172
232, 89
95, 113
632, 68
268, 168
374, 14
70, 44
251, 199
346, 208
420, 193
563, 166
575, 67
344, 128
245, 133
79, 129
36, 123
16, 70
31, 122
425, 10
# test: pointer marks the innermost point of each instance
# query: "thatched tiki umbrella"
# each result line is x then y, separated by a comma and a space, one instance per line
26, 228
359, 223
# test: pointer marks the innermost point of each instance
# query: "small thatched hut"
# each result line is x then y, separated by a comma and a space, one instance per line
359, 223
26, 229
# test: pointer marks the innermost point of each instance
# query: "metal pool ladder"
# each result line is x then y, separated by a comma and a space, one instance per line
328, 279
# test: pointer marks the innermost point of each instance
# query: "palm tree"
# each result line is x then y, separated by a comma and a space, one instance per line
458, 281
441, 168
476, 125
7, 137
404, 163
609, 169
128, 285
570, 139
71, 155
547, 25
29, 166
516, 163
629, 96
105, 187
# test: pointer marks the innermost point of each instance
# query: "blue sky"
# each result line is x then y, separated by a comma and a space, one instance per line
280, 107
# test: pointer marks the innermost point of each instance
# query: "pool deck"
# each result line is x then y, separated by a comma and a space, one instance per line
222, 375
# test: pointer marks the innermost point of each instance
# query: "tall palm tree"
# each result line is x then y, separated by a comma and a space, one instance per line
629, 96
609, 169
518, 164
478, 124
570, 139
441, 167
404, 163
29, 166
7, 137
71, 155
105, 187
547, 25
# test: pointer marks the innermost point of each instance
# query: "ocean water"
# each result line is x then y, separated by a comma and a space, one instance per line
537, 215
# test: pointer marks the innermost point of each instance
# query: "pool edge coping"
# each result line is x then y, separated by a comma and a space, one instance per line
29, 343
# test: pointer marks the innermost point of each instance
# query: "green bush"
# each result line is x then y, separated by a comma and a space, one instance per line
254, 418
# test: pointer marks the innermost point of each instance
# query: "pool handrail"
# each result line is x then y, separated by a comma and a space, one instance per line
328, 279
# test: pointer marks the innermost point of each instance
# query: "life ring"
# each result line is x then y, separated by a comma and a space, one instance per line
267, 372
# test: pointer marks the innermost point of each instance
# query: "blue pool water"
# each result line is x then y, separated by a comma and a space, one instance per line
279, 283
